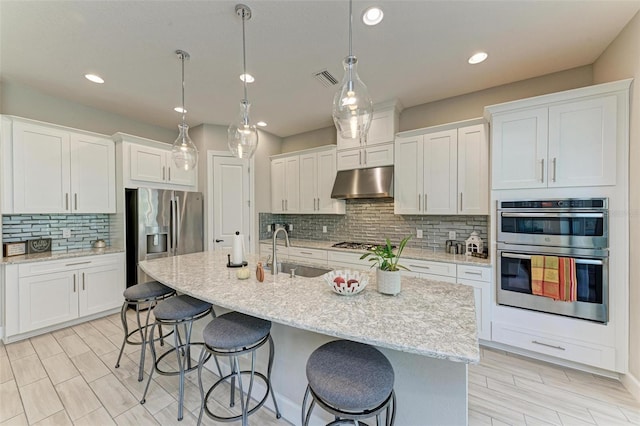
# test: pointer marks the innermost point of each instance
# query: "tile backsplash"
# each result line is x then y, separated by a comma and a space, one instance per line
84, 229
373, 221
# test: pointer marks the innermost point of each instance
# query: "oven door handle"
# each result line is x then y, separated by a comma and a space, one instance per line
528, 256
550, 214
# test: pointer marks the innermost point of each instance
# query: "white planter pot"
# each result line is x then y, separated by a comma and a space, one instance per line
388, 282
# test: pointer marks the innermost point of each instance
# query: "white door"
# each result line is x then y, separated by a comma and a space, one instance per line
99, 288
408, 175
473, 170
440, 160
308, 183
147, 164
93, 174
231, 202
48, 299
278, 193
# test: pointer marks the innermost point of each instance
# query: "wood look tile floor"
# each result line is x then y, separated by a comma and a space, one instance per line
67, 377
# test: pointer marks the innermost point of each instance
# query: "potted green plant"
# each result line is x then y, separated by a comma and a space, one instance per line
388, 268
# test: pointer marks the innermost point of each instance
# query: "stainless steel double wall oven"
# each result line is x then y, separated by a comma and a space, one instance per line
576, 228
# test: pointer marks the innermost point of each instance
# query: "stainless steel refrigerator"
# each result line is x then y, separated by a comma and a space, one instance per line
161, 223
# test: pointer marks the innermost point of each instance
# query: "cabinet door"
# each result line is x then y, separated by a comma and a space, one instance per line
292, 184
277, 185
178, 176
378, 155
147, 164
440, 172
100, 288
382, 128
47, 300
473, 170
519, 149
582, 143
408, 175
93, 175
41, 169
349, 159
326, 178
308, 183
482, 296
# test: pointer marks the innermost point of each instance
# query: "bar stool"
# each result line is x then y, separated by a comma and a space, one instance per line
232, 335
350, 380
143, 297
179, 310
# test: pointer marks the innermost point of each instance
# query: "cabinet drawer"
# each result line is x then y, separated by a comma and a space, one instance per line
431, 268
548, 344
476, 273
281, 251
39, 268
307, 253
346, 258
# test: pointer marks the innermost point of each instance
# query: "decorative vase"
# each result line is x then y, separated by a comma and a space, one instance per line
388, 282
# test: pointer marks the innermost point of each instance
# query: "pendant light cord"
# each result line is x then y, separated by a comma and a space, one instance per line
350, 26
244, 56
350, 47
184, 111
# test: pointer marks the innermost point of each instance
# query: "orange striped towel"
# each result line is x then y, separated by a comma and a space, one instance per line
551, 280
568, 281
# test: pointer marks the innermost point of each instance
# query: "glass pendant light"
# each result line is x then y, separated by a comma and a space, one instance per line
184, 151
352, 107
242, 136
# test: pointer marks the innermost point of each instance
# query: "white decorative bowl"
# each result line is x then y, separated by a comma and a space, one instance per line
339, 281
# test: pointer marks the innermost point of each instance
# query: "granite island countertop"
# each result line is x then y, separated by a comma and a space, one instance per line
429, 318
407, 253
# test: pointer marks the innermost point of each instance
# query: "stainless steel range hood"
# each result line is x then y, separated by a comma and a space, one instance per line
376, 182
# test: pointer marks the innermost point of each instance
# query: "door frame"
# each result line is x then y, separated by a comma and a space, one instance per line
252, 209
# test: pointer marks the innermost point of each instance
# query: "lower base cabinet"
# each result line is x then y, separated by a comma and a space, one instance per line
44, 294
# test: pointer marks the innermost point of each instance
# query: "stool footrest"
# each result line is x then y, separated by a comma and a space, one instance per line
172, 351
239, 416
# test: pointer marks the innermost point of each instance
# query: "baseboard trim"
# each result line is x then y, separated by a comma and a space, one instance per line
632, 384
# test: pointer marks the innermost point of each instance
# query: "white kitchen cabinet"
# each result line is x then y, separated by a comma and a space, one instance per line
437, 271
317, 175
308, 256
285, 184
567, 139
374, 149
479, 278
442, 170
348, 260
46, 294
59, 170
148, 163
282, 252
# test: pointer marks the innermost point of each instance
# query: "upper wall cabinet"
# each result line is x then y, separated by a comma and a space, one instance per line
565, 139
53, 169
442, 170
374, 149
148, 163
302, 182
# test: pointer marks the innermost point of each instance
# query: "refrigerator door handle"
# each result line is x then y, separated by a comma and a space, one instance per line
176, 235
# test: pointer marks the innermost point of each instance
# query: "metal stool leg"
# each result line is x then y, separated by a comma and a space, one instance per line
125, 326
202, 398
272, 351
153, 355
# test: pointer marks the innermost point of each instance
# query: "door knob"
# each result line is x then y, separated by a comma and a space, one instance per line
219, 241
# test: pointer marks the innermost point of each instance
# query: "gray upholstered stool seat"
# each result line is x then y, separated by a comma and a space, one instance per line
231, 335
180, 308
351, 380
142, 297
178, 311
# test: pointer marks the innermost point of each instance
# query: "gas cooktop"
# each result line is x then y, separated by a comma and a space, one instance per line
357, 246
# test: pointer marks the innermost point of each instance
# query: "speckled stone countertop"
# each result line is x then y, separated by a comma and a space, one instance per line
429, 318
408, 253
58, 255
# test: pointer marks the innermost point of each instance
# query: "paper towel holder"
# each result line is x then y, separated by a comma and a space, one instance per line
243, 262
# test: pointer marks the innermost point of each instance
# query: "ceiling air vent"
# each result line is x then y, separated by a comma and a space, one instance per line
325, 78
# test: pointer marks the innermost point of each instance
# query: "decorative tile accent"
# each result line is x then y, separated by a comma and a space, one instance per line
84, 229
373, 221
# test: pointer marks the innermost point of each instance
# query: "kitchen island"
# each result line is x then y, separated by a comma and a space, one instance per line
428, 331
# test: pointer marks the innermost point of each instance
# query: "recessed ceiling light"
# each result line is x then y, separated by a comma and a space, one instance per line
249, 78
179, 109
372, 16
94, 78
261, 123
478, 57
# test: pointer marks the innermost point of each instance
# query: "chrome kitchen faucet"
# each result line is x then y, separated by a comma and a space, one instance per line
274, 260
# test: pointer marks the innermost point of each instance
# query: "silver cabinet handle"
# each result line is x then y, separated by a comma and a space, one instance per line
306, 252
75, 200
425, 202
360, 156
83, 281
419, 202
286, 205
78, 263
169, 174
548, 345
420, 266
74, 283
461, 201
66, 201
283, 205
554, 169
365, 158
472, 273
542, 170
163, 172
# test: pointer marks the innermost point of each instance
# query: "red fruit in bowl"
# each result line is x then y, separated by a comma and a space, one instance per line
352, 281
338, 280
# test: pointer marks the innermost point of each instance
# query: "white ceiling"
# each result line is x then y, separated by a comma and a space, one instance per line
417, 54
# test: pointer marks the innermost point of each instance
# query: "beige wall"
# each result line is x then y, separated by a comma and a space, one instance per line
472, 105
622, 60
24, 101
312, 139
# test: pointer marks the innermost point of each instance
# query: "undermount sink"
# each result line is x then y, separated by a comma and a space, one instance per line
302, 270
